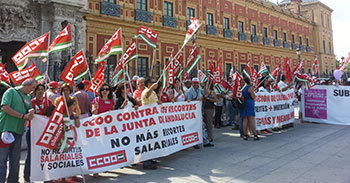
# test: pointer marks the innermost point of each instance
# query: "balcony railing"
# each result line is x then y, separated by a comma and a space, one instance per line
211, 30
308, 49
228, 33
277, 43
242, 36
110, 9
143, 16
255, 39
267, 41
301, 47
294, 46
169, 21
285, 44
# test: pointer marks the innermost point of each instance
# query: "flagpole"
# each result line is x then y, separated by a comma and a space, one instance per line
47, 70
166, 67
153, 56
127, 72
65, 103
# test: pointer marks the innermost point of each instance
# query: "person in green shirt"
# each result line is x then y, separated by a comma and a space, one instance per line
16, 109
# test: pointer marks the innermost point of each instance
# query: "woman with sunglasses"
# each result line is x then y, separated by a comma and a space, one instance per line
104, 102
123, 101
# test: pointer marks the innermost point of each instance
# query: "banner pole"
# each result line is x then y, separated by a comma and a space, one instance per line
153, 58
47, 72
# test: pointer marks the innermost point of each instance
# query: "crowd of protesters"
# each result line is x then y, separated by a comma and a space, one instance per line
220, 109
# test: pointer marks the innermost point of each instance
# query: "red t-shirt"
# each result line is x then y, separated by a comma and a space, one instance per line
104, 105
39, 107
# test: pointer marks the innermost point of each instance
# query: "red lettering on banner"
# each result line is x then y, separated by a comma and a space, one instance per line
190, 138
112, 130
105, 160
90, 133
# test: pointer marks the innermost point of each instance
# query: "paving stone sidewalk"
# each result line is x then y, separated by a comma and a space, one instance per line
307, 153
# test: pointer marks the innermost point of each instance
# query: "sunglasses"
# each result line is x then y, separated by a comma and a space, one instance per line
105, 89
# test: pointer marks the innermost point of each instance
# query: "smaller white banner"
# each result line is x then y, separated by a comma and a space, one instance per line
327, 104
274, 109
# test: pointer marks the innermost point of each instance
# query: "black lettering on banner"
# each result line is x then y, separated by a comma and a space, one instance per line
341, 93
116, 142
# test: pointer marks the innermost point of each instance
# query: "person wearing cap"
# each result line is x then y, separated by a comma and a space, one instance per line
134, 83
51, 92
195, 92
16, 109
187, 86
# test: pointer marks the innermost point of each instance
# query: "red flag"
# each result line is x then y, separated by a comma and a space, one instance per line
76, 68
298, 67
148, 35
218, 72
4, 76
98, 80
186, 77
19, 76
36, 48
170, 71
287, 71
178, 65
211, 70
276, 72
193, 59
247, 71
63, 41
344, 64
255, 78
238, 85
112, 47
54, 130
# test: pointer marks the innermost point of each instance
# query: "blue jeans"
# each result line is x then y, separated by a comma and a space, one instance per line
13, 153
27, 162
230, 113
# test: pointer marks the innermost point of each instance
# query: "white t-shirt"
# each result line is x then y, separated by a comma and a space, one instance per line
181, 98
281, 85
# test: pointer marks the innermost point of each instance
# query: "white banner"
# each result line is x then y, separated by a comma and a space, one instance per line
116, 139
274, 109
327, 104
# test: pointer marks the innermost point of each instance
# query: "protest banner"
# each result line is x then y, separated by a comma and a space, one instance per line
327, 104
116, 139
274, 109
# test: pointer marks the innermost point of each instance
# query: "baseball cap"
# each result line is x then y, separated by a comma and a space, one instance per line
135, 78
86, 82
195, 80
53, 84
6, 139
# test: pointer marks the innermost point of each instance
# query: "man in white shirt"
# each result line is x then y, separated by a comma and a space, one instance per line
282, 85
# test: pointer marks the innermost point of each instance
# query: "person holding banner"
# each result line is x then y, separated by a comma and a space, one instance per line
123, 100
149, 97
39, 104
176, 94
248, 112
162, 95
16, 109
209, 107
104, 102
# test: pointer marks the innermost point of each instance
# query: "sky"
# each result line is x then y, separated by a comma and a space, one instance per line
341, 25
